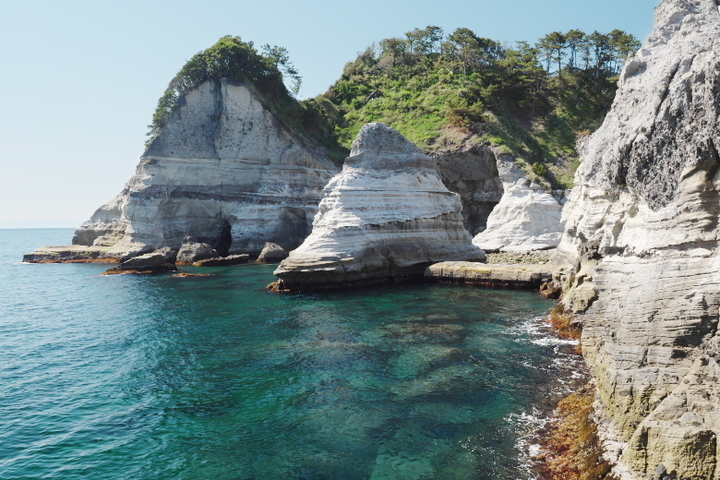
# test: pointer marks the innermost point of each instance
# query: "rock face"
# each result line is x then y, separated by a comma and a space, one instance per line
384, 218
527, 217
470, 171
224, 171
160, 261
640, 251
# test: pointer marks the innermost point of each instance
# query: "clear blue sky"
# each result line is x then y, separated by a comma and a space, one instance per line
80, 78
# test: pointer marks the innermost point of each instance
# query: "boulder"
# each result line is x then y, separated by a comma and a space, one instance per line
272, 253
158, 261
527, 218
640, 254
192, 252
384, 218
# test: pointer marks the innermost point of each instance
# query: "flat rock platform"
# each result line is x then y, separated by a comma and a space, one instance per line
494, 275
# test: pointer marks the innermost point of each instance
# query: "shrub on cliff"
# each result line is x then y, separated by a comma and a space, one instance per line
267, 72
531, 99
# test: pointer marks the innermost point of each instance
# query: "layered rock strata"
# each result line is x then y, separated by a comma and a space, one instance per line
640, 251
526, 219
384, 218
224, 171
520, 276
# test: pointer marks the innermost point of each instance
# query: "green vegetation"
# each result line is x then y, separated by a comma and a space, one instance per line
438, 90
240, 62
535, 101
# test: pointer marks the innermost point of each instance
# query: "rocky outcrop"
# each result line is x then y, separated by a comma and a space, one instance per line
192, 252
159, 261
470, 170
228, 261
384, 218
527, 219
640, 251
222, 170
272, 253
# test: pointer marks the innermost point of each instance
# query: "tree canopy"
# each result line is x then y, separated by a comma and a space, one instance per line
236, 60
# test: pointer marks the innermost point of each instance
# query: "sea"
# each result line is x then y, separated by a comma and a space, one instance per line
214, 377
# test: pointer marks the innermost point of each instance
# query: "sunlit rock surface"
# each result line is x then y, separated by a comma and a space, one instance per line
640, 251
384, 218
526, 219
223, 171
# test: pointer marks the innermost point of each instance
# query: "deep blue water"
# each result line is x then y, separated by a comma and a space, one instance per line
160, 377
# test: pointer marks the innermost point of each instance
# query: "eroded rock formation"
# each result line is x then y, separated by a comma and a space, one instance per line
527, 218
224, 171
640, 251
384, 218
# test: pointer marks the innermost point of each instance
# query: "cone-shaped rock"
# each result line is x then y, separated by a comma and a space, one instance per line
384, 218
640, 253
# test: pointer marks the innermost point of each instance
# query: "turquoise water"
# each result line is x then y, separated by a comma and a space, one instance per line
160, 377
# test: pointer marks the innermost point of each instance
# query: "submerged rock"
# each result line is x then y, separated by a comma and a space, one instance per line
527, 218
222, 170
640, 251
384, 218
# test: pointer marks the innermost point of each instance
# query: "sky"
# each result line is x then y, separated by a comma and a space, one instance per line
79, 79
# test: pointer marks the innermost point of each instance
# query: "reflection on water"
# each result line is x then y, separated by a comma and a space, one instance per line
213, 377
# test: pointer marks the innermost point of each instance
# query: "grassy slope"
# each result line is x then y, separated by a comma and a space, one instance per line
433, 104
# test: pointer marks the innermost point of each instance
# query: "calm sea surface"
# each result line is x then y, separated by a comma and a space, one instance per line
160, 377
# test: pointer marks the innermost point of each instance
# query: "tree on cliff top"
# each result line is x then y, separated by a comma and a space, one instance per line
229, 58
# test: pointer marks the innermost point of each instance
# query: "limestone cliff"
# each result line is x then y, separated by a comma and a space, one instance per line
640, 251
384, 218
526, 219
223, 171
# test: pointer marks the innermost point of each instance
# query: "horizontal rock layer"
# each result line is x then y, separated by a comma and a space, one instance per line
521, 276
640, 251
384, 218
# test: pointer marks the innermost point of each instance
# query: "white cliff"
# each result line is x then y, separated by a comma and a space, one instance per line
526, 219
384, 218
223, 171
640, 251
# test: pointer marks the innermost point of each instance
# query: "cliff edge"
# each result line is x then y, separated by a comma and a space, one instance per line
640, 255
